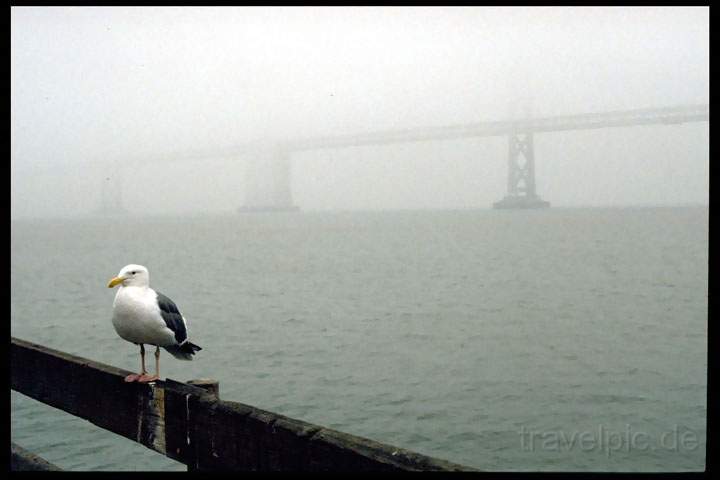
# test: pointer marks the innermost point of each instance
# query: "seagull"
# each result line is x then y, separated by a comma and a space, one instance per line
141, 315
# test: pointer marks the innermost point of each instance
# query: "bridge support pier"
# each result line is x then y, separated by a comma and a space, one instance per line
521, 175
267, 182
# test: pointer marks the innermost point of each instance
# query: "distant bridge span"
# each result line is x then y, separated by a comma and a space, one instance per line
586, 121
521, 192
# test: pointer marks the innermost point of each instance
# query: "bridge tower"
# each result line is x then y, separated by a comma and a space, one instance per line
268, 182
521, 174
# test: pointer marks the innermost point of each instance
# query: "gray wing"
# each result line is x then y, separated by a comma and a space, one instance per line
172, 316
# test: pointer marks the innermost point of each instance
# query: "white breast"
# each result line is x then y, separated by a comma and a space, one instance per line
136, 317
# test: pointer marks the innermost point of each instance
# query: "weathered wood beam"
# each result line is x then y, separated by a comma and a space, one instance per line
90, 390
190, 424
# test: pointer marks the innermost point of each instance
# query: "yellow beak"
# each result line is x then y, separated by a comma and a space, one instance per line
115, 281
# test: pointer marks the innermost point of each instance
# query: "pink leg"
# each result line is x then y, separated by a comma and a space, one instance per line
133, 377
151, 378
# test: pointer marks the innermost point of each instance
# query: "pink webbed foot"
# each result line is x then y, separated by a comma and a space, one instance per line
148, 378
133, 377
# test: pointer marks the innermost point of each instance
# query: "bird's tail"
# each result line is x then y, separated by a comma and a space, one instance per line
184, 351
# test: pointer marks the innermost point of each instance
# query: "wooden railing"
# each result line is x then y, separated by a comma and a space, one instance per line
189, 423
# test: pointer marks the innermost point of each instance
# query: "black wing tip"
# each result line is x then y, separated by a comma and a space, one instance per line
190, 348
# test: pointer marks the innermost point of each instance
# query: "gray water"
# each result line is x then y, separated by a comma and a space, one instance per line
562, 339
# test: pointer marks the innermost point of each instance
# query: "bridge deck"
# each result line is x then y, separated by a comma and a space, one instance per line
647, 116
585, 121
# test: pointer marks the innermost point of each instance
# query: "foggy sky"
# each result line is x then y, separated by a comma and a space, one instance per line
107, 84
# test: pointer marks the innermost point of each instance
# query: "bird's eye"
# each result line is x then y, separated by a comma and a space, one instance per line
133, 273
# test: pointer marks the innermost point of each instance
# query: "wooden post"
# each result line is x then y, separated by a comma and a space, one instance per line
210, 385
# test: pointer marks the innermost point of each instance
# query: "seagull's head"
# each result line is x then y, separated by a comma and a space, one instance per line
131, 276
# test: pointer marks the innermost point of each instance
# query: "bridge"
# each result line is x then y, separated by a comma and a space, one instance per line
273, 159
